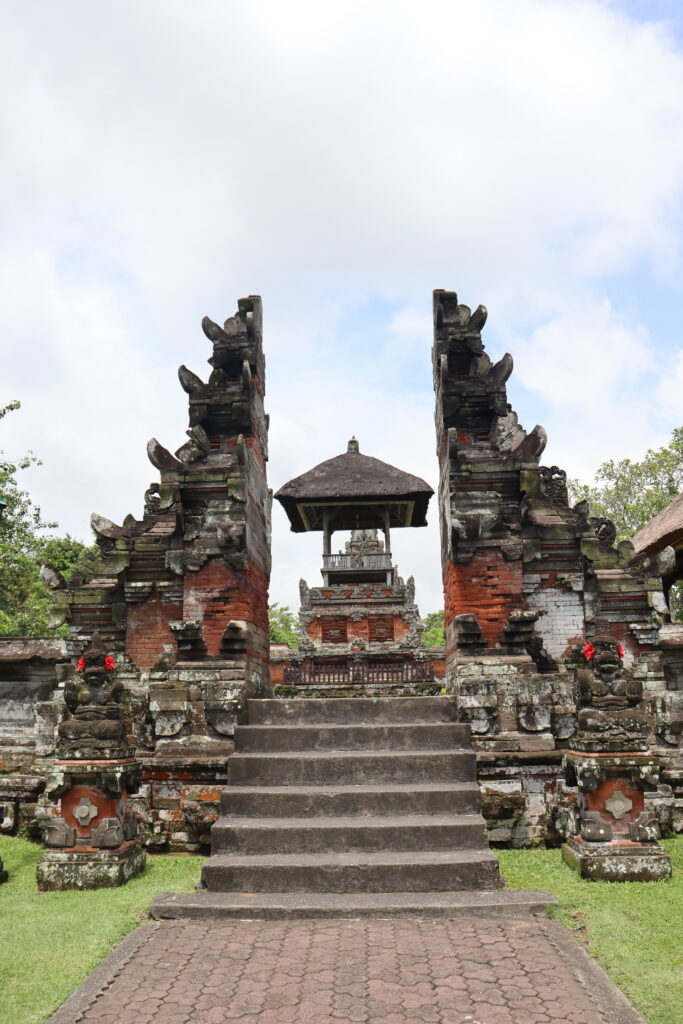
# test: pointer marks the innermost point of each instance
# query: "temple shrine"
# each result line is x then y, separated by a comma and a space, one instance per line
360, 629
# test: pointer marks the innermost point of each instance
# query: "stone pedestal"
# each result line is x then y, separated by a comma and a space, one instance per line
93, 869
618, 861
90, 831
91, 834
611, 835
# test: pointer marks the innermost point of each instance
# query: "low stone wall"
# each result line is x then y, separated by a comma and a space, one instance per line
184, 759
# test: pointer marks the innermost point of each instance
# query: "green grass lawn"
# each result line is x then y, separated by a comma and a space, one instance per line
50, 941
634, 929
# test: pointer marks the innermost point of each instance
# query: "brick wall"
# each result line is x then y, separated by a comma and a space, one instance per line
148, 635
487, 585
215, 594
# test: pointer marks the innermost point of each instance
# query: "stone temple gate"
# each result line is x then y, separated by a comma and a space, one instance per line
532, 586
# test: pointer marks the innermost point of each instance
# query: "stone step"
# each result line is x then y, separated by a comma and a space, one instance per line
431, 871
351, 710
292, 906
343, 835
351, 767
336, 801
366, 798
407, 736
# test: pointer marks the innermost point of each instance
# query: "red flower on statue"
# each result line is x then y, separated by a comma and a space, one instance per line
80, 667
109, 663
621, 650
588, 651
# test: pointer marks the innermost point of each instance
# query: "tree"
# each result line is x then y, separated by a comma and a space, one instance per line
282, 625
631, 493
433, 634
25, 601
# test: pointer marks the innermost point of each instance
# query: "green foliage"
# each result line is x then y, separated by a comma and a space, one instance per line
634, 929
57, 938
282, 627
25, 601
631, 493
67, 555
10, 407
433, 634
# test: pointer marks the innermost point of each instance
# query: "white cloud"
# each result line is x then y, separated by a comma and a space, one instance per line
164, 158
586, 358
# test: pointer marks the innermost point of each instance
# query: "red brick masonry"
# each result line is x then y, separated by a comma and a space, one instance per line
487, 585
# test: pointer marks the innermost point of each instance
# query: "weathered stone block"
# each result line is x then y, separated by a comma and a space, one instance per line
617, 862
60, 870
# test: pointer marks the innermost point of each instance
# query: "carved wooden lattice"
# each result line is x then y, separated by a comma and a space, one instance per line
380, 629
334, 631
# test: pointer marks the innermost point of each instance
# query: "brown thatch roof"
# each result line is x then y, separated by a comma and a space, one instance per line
666, 528
353, 477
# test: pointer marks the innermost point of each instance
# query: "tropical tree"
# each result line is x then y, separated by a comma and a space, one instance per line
631, 493
282, 625
433, 634
25, 601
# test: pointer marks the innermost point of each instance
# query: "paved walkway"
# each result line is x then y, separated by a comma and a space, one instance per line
509, 971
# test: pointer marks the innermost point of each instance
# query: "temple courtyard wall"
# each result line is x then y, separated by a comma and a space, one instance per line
520, 772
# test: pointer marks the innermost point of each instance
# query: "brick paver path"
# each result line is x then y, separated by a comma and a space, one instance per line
395, 971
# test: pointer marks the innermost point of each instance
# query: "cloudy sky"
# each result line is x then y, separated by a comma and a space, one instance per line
162, 158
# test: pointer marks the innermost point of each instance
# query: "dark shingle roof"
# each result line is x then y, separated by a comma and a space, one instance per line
353, 476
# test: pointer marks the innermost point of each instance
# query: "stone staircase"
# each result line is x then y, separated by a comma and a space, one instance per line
350, 807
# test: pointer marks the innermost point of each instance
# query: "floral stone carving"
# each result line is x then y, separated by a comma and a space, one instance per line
618, 804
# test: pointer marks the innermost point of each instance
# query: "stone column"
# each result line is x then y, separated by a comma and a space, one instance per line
91, 833
610, 833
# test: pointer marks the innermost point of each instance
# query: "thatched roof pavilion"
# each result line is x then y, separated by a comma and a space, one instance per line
354, 491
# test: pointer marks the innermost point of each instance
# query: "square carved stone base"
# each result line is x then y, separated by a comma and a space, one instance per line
94, 869
619, 861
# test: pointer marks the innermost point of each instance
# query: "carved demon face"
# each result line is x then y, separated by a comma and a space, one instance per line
606, 661
95, 675
95, 663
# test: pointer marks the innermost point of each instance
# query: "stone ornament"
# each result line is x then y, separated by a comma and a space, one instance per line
553, 484
611, 716
618, 804
58, 833
613, 771
605, 531
90, 783
84, 812
93, 699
